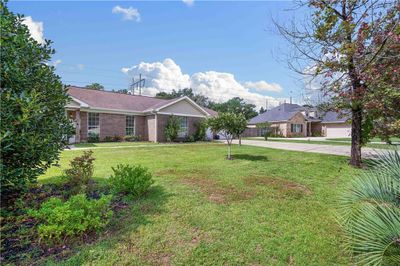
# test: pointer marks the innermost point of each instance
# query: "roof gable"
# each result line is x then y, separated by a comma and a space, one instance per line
282, 112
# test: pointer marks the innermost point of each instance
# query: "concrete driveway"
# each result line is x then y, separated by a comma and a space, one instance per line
304, 147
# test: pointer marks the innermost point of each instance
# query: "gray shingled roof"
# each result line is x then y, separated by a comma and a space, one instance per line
282, 112
332, 117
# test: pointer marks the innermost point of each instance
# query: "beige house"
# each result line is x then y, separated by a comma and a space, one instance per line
292, 120
110, 114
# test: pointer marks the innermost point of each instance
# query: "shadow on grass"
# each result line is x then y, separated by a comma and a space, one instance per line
249, 157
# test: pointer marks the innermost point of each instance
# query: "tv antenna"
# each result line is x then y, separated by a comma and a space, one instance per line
138, 84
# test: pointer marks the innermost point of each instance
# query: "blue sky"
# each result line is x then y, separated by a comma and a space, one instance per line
93, 44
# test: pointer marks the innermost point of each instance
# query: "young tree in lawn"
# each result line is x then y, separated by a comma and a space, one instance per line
338, 46
235, 105
34, 128
230, 125
95, 86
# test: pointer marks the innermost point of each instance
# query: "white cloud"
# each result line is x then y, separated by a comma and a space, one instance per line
80, 66
57, 62
263, 86
35, 29
129, 13
188, 2
218, 86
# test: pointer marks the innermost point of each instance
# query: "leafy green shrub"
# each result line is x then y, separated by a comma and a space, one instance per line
34, 128
81, 171
201, 130
117, 138
172, 128
266, 135
370, 212
73, 217
131, 180
93, 137
132, 138
190, 138
108, 139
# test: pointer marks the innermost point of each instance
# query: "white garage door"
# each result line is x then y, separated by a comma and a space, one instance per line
338, 131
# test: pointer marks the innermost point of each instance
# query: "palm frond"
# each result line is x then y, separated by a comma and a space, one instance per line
370, 212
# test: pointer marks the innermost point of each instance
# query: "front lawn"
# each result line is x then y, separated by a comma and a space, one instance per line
265, 207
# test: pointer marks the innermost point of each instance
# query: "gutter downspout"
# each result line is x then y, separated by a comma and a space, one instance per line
155, 128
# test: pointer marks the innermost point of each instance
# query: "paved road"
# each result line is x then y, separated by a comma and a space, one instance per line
305, 147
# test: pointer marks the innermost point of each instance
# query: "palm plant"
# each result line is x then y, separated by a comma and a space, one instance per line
370, 212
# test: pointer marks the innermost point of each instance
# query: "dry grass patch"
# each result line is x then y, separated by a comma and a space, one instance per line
282, 186
216, 192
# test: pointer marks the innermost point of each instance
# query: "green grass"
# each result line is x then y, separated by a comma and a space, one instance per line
372, 140
112, 144
328, 142
265, 207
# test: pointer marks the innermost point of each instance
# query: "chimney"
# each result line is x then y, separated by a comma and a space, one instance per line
284, 103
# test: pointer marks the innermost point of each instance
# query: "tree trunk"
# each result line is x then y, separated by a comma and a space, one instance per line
356, 137
229, 151
240, 140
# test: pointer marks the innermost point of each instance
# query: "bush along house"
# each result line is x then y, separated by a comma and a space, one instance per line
293, 120
105, 115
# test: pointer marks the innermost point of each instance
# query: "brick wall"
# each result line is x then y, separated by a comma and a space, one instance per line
84, 117
112, 125
297, 119
141, 127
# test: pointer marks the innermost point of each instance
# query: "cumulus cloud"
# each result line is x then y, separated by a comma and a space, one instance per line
218, 86
188, 2
35, 29
129, 13
263, 86
80, 66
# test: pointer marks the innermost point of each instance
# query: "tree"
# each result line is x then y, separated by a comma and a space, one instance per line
236, 105
262, 110
197, 98
34, 128
336, 45
230, 125
266, 127
172, 128
95, 86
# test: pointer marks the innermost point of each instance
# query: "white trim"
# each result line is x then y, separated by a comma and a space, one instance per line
87, 124
83, 104
336, 122
134, 124
179, 114
112, 111
155, 128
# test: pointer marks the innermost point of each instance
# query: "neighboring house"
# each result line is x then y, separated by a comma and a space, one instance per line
293, 120
110, 114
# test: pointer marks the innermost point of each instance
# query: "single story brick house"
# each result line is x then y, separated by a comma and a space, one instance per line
293, 120
110, 114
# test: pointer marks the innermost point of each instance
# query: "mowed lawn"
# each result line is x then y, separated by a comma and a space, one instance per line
265, 207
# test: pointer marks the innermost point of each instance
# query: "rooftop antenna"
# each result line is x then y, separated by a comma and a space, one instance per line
139, 84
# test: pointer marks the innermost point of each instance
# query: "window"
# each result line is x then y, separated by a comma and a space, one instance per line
183, 129
130, 125
296, 128
94, 123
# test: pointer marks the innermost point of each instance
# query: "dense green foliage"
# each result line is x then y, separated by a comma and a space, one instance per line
80, 171
94, 137
230, 125
236, 105
172, 128
73, 217
131, 180
132, 138
95, 86
34, 128
370, 212
201, 130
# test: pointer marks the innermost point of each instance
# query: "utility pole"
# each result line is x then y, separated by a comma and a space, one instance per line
138, 84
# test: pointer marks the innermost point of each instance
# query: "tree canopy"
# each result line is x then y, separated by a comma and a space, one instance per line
95, 86
34, 127
348, 46
236, 105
